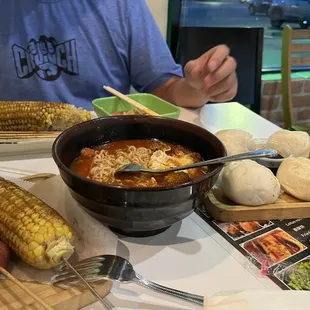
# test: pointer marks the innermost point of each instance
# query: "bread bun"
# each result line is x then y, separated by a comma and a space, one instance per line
249, 183
296, 143
294, 177
234, 140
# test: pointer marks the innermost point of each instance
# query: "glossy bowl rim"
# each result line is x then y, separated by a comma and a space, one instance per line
64, 168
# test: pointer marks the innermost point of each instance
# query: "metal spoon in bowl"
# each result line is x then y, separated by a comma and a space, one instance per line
134, 168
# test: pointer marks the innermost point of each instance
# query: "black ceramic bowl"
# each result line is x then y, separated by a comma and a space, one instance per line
140, 211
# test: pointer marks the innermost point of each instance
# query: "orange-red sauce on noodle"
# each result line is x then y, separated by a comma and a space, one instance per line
84, 164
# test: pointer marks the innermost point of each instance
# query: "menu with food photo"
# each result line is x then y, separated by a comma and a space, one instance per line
238, 230
274, 246
296, 276
281, 248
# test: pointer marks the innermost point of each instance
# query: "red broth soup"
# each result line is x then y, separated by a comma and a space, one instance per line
100, 163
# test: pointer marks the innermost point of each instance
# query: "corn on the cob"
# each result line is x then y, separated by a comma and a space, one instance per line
33, 230
39, 115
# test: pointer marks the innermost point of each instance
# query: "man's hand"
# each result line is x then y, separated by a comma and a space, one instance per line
211, 77
213, 74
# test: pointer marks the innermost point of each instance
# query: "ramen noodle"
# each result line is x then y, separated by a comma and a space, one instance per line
100, 163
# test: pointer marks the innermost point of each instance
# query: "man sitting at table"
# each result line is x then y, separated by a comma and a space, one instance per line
61, 50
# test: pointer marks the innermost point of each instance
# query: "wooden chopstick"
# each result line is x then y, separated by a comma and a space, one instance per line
130, 101
25, 137
25, 289
28, 134
32, 132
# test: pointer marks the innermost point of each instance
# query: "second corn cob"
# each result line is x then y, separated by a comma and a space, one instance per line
39, 115
33, 230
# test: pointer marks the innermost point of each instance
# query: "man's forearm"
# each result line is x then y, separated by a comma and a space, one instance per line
179, 92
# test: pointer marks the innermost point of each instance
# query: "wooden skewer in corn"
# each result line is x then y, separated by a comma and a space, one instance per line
130, 101
4, 138
25, 289
35, 138
48, 133
48, 252
28, 134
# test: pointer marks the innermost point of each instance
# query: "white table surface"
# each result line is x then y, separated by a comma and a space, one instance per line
190, 256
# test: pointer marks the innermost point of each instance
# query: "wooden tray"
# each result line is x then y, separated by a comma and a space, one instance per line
286, 207
12, 297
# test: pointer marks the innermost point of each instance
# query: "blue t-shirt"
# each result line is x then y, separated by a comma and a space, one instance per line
66, 50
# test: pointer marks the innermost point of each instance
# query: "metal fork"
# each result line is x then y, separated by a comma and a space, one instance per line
115, 268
